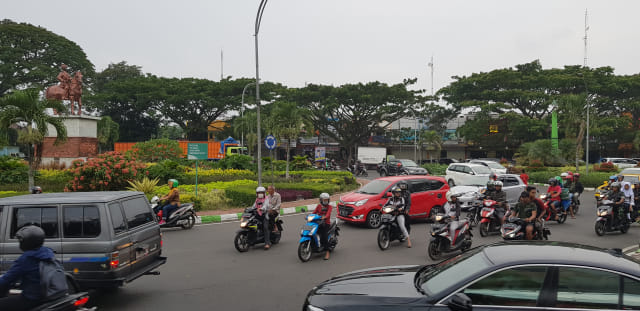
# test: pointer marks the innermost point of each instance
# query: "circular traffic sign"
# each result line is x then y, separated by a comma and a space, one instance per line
270, 142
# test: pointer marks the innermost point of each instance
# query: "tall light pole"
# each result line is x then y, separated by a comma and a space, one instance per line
242, 111
263, 3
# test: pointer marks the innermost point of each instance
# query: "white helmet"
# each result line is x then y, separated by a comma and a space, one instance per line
497, 183
564, 175
261, 189
450, 195
324, 196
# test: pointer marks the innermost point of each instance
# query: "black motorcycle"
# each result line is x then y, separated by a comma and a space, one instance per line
441, 240
251, 230
606, 221
71, 302
575, 203
390, 230
515, 229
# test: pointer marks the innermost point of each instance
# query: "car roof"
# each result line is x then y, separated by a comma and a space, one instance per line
631, 171
68, 197
508, 175
406, 177
563, 253
467, 164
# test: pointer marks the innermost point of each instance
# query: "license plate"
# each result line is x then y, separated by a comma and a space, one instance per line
140, 253
386, 217
308, 227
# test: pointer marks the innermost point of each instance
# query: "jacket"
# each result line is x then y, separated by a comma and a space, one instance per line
26, 269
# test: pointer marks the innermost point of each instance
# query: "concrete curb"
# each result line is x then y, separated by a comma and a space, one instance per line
237, 216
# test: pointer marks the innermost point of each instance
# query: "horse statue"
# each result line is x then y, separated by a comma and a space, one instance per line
69, 88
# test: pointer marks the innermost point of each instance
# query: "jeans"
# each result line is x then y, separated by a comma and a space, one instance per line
402, 226
167, 209
323, 232
17, 303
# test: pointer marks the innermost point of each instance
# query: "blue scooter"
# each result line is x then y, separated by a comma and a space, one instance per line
310, 239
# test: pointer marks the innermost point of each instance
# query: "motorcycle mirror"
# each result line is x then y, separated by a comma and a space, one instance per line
399, 164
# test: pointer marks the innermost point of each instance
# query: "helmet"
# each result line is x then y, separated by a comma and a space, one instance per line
615, 184
36, 189
576, 175
324, 196
490, 184
261, 189
449, 195
552, 181
559, 179
564, 175
403, 185
620, 177
30, 237
493, 176
497, 183
613, 177
174, 182
396, 189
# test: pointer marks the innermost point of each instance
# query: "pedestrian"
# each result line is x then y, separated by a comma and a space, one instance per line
524, 177
275, 201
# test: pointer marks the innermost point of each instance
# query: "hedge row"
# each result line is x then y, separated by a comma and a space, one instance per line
246, 195
594, 179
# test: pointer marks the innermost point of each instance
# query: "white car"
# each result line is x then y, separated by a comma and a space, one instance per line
511, 184
459, 174
494, 166
621, 162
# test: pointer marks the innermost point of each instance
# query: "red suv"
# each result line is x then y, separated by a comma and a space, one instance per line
363, 205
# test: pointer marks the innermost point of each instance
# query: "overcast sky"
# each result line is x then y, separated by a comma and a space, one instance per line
340, 41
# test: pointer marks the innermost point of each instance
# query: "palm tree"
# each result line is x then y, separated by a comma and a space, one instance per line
28, 109
428, 137
287, 121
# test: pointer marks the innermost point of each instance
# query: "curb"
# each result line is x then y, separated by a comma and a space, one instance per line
234, 217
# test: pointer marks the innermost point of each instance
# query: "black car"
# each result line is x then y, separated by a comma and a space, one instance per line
503, 276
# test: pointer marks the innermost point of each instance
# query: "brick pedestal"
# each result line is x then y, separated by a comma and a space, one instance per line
82, 141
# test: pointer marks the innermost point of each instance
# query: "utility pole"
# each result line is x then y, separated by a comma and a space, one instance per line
431, 66
586, 29
221, 64
263, 3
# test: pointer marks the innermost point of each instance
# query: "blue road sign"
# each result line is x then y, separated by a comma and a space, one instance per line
270, 142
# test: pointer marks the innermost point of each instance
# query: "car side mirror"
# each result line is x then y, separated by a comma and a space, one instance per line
472, 173
460, 302
388, 195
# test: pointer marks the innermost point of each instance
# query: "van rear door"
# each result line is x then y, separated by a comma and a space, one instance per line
120, 240
144, 233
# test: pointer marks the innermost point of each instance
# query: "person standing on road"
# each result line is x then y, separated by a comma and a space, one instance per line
324, 209
275, 201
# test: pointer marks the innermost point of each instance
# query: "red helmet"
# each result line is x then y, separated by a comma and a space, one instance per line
576, 175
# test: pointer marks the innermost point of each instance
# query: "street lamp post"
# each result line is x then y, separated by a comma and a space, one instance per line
242, 111
586, 99
263, 3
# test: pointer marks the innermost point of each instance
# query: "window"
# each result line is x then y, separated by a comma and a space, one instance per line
482, 170
117, 219
513, 287
454, 168
374, 187
587, 289
435, 184
510, 181
631, 294
466, 170
81, 221
418, 186
137, 211
45, 217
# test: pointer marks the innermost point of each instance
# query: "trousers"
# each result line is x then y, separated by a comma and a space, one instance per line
402, 226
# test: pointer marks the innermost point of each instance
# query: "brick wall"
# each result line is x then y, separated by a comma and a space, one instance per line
74, 147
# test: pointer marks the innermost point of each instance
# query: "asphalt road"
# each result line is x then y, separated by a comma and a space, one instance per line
205, 272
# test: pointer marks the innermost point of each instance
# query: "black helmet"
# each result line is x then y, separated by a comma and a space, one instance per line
403, 185
36, 190
30, 237
552, 181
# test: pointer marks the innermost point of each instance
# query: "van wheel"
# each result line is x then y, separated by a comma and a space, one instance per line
451, 183
189, 222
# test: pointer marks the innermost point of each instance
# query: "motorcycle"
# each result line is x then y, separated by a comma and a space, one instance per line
489, 222
606, 221
390, 230
66, 303
184, 216
251, 230
310, 239
442, 241
514, 229
551, 213
575, 203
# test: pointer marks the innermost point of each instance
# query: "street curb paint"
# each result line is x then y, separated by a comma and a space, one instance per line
233, 217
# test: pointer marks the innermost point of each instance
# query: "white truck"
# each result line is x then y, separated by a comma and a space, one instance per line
371, 155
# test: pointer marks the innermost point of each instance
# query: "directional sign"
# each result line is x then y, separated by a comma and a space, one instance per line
197, 151
270, 142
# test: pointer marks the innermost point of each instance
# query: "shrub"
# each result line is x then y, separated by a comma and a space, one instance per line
6, 194
605, 167
109, 171
239, 162
435, 168
504, 162
300, 163
166, 170
145, 185
213, 200
535, 165
210, 175
157, 150
13, 170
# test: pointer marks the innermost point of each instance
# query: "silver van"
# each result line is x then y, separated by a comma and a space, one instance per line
103, 239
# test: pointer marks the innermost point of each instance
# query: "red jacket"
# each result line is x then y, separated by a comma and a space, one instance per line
525, 178
323, 210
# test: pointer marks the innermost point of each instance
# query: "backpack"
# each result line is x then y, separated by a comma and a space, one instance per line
52, 279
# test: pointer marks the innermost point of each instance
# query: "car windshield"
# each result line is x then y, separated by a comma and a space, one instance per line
408, 163
374, 187
495, 165
631, 171
632, 179
482, 170
442, 276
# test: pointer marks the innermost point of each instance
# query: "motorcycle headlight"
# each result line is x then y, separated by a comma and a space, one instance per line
310, 218
543, 196
361, 202
487, 203
388, 210
439, 217
243, 224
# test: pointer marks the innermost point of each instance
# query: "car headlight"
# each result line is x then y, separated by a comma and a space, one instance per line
312, 308
243, 224
388, 210
361, 202
310, 218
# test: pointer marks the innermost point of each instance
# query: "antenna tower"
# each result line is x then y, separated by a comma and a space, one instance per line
586, 28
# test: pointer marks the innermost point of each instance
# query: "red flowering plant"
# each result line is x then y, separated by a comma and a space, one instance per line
108, 171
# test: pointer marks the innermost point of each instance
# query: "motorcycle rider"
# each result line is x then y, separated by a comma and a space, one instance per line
501, 197
493, 176
527, 211
541, 211
553, 192
36, 190
617, 197
324, 209
452, 209
275, 201
261, 204
173, 200
26, 269
399, 203
629, 200
578, 187
636, 196
567, 183
407, 201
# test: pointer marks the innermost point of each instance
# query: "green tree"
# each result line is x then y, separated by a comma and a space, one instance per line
30, 56
108, 133
28, 109
170, 132
351, 112
430, 138
287, 121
